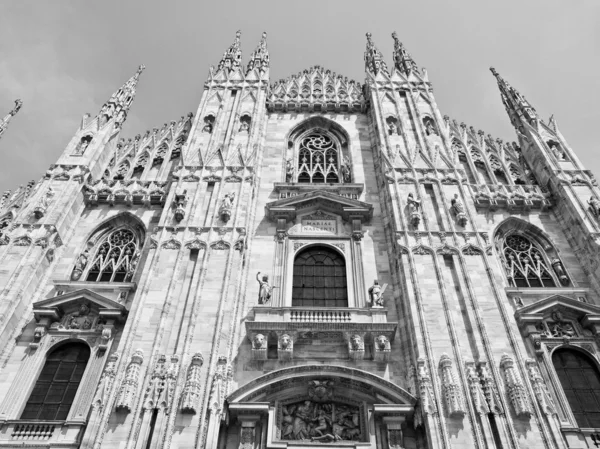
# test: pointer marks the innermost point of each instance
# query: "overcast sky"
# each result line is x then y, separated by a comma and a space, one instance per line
65, 58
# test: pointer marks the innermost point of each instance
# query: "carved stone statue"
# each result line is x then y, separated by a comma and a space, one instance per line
265, 289
560, 271
594, 206
180, 201
289, 171
208, 125
414, 207
382, 343
376, 294
459, 209
393, 128
259, 341
345, 169
429, 128
226, 206
560, 155
285, 341
244, 126
40, 209
80, 265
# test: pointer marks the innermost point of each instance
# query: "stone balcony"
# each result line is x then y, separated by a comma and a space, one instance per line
41, 434
361, 331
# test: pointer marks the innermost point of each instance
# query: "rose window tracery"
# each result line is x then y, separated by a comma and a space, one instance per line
114, 259
525, 263
318, 159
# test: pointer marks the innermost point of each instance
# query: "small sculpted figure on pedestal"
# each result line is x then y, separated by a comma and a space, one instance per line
265, 289
414, 207
376, 294
594, 206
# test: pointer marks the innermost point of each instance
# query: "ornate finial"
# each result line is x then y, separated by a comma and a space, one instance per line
118, 105
516, 105
260, 56
233, 55
374, 61
403, 61
4, 122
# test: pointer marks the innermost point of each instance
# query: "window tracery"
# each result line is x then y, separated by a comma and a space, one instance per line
116, 257
318, 159
525, 263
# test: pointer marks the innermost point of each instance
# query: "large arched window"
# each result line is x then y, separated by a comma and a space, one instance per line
55, 389
580, 381
319, 279
318, 159
525, 263
113, 260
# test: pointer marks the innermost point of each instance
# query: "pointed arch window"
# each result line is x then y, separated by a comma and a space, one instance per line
318, 159
319, 279
580, 381
55, 389
115, 257
525, 263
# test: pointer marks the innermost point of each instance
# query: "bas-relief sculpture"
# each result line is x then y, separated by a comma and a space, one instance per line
203, 183
321, 422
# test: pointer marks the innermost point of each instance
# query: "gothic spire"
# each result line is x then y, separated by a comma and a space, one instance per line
119, 103
516, 105
260, 56
374, 61
4, 122
403, 61
233, 55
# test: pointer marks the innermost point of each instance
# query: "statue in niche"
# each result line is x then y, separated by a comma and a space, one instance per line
82, 145
289, 171
244, 126
376, 294
393, 128
594, 205
560, 155
208, 124
320, 422
429, 128
345, 169
265, 289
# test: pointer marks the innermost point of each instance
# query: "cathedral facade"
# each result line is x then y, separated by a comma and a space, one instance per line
312, 262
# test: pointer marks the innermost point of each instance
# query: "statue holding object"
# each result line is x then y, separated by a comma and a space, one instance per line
265, 289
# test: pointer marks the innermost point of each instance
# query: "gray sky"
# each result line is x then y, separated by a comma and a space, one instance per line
65, 58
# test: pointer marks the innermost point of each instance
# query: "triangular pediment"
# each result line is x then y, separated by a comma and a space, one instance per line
60, 305
347, 208
556, 303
